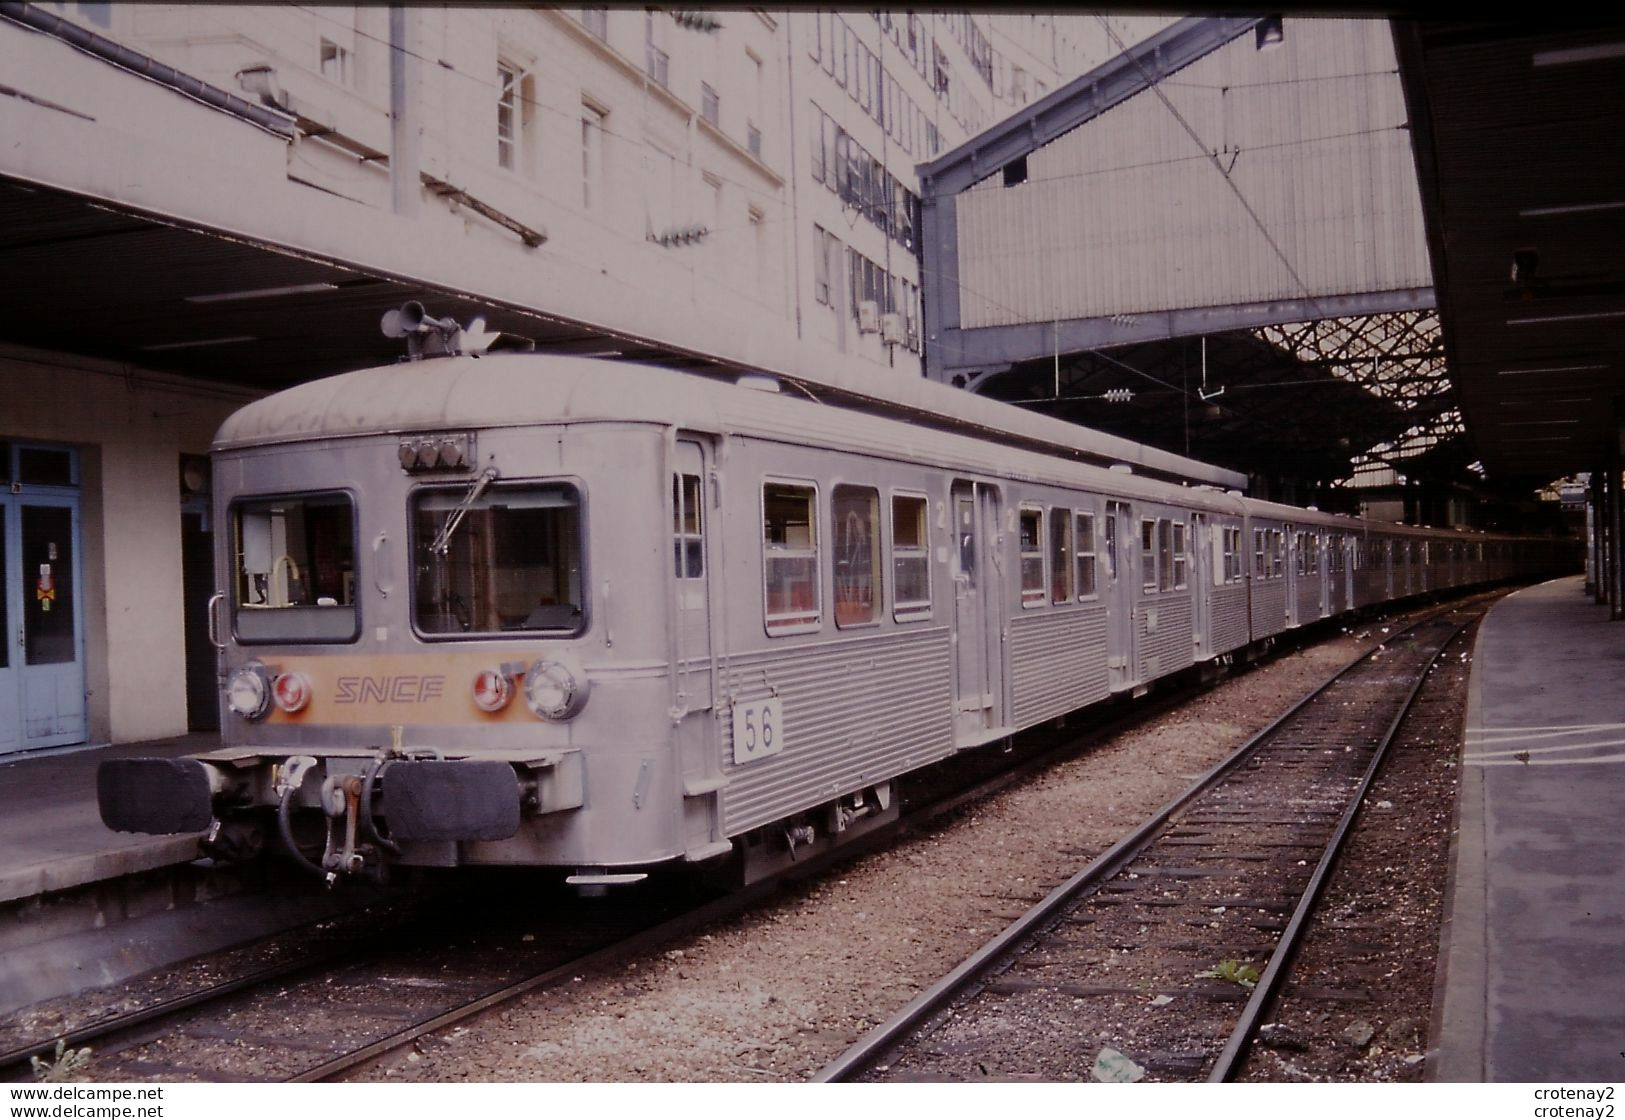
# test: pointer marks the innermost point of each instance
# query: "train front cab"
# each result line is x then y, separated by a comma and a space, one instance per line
500, 661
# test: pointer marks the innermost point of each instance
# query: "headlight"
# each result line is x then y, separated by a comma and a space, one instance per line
248, 692
555, 689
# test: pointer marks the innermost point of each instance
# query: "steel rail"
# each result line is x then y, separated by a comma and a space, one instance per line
1235, 1048
864, 1053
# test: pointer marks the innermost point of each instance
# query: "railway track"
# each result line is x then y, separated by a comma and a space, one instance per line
1159, 958
195, 1034
351, 1005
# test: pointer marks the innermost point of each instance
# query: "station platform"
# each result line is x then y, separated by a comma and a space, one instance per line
53, 838
1533, 968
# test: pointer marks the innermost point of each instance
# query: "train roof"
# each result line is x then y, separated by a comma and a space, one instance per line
517, 388
510, 392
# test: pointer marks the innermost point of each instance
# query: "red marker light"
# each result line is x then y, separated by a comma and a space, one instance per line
292, 691
492, 690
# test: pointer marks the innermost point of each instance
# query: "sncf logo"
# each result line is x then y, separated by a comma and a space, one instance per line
405, 689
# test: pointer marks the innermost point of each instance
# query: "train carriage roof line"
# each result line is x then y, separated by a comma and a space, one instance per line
504, 390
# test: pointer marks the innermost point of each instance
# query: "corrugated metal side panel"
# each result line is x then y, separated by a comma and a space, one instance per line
1057, 663
1308, 599
855, 712
1229, 617
1269, 607
1171, 647
1127, 213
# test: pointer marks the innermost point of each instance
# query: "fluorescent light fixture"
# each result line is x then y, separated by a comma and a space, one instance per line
1544, 401
1596, 52
1552, 369
262, 293
1538, 439
1575, 208
1567, 318
1531, 423
226, 341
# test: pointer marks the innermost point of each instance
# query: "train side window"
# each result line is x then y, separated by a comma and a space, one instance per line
790, 558
688, 540
1148, 554
294, 561
1259, 571
1060, 556
1085, 537
855, 537
911, 559
1181, 556
1165, 555
1230, 571
1032, 557
1277, 553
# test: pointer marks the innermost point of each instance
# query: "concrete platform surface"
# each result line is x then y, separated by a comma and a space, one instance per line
1534, 966
51, 835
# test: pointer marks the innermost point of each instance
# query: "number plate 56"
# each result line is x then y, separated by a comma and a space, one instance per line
758, 729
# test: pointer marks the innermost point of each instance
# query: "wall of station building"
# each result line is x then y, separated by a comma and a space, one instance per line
739, 191
130, 429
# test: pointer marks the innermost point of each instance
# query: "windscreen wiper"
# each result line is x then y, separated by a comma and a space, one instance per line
442, 540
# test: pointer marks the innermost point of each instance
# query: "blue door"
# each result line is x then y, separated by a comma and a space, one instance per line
42, 679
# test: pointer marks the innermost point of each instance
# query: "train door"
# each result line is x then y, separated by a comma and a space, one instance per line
1201, 585
978, 609
1294, 561
1121, 569
690, 566
42, 680
1323, 544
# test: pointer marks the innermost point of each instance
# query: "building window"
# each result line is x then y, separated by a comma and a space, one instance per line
1085, 539
855, 536
710, 107
335, 62
760, 264
1060, 556
1032, 557
596, 20
507, 115
753, 140
657, 64
825, 250
911, 559
790, 557
592, 157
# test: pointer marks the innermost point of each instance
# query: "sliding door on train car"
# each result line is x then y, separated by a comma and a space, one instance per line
978, 614
1121, 566
1201, 584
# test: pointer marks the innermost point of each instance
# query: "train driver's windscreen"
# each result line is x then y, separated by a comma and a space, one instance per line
508, 560
294, 574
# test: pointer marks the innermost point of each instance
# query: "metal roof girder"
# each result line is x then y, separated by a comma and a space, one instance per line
959, 349
1079, 101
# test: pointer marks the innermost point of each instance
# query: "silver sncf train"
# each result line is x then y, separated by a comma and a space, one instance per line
533, 610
